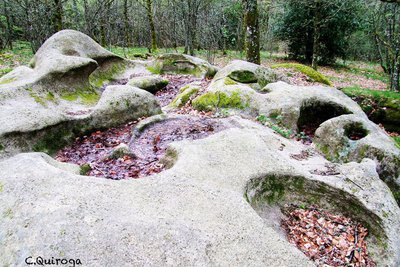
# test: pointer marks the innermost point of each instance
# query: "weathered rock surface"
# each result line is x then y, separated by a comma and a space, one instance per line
194, 214
43, 107
182, 64
300, 108
350, 138
34, 128
152, 84
239, 71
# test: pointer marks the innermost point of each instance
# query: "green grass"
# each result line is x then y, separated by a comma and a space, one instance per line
367, 69
355, 91
397, 141
21, 54
310, 72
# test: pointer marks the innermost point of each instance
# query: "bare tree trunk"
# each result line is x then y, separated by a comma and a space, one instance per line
9, 40
317, 32
128, 41
252, 42
150, 17
58, 16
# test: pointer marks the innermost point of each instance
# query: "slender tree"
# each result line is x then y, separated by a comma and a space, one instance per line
150, 17
58, 15
252, 41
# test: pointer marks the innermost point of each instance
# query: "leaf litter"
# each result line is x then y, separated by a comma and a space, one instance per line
326, 238
148, 148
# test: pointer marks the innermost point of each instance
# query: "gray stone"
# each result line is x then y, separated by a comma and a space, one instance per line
152, 84
42, 108
182, 64
120, 151
240, 71
204, 211
350, 138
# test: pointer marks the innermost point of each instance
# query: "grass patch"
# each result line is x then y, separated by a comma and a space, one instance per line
310, 72
369, 72
275, 124
397, 141
354, 91
21, 54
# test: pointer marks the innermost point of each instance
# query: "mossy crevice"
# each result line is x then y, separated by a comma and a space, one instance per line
355, 131
107, 72
243, 76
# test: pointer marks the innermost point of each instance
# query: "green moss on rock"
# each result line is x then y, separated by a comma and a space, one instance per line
84, 169
184, 97
243, 76
87, 96
106, 74
229, 81
7, 81
310, 72
210, 101
53, 141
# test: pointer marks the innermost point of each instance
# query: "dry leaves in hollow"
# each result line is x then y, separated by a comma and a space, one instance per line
327, 239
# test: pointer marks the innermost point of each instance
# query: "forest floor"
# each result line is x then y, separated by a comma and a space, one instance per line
355, 78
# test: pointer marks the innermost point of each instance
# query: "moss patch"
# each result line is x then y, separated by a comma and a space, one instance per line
310, 72
229, 81
50, 97
7, 81
1, 187
84, 169
184, 97
8, 213
243, 76
106, 73
87, 96
382, 107
53, 141
36, 97
211, 101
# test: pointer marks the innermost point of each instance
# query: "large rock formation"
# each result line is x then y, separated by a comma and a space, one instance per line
299, 108
206, 210
213, 207
44, 107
